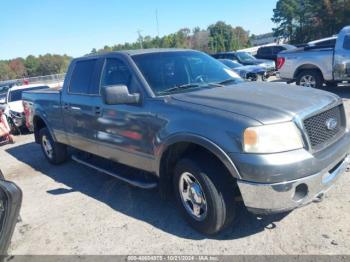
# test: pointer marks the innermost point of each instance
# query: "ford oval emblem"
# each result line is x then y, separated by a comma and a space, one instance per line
331, 123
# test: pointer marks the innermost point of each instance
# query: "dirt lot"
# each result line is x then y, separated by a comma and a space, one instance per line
70, 209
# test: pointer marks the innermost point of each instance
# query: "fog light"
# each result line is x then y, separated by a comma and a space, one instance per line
301, 192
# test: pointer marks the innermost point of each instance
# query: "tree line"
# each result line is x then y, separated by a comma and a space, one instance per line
33, 66
301, 21
217, 37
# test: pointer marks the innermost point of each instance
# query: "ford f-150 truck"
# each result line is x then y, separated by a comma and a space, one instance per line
186, 123
314, 65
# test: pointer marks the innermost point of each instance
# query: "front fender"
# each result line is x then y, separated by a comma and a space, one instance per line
201, 141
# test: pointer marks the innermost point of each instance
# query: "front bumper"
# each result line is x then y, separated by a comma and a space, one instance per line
271, 72
264, 198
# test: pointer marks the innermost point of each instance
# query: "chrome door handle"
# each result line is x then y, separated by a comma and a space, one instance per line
75, 108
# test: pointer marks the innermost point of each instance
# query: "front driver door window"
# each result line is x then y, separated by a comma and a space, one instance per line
124, 130
116, 72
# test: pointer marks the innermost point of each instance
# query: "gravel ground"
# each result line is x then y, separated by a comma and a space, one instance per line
70, 209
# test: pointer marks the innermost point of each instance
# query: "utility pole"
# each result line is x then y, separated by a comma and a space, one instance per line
157, 22
140, 37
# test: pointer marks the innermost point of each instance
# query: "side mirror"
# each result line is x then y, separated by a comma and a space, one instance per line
10, 204
118, 94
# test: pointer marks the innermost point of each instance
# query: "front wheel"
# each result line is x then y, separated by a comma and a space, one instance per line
54, 152
310, 78
204, 194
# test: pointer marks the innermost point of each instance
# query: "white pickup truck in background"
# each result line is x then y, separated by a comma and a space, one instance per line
313, 66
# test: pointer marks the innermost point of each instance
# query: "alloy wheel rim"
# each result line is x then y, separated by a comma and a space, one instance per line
47, 146
308, 81
192, 196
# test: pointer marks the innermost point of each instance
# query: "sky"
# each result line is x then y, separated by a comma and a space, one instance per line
74, 27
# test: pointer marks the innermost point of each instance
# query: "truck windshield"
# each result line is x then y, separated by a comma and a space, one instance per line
182, 71
16, 95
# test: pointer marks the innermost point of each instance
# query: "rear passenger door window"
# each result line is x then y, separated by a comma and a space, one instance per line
265, 51
115, 72
278, 49
346, 44
81, 76
232, 57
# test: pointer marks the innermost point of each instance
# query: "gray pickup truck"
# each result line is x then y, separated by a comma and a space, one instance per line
314, 65
188, 124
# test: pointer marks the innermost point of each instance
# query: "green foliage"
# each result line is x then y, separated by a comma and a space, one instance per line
217, 37
300, 21
33, 66
5, 71
31, 63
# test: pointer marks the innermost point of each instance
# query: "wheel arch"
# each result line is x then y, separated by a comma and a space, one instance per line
182, 144
307, 67
39, 122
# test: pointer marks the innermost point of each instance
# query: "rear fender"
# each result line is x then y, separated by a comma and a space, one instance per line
39, 116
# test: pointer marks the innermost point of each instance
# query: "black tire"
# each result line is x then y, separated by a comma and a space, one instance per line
59, 151
316, 75
219, 191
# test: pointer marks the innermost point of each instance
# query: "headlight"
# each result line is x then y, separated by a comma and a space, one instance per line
15, 114
272, 138
242, 74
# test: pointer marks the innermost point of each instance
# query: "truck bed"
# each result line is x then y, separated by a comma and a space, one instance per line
308, 49
45, 101
49, 94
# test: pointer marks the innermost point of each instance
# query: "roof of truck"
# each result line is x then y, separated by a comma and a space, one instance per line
139, 52
154, 50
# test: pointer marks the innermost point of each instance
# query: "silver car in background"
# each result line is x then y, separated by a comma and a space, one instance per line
313, 66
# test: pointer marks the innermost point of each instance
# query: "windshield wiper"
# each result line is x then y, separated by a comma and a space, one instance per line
215, 84
227, 81
180, 87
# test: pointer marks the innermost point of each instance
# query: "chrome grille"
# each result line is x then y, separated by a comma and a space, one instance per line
318, 132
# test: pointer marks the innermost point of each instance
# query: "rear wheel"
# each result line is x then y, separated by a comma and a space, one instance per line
204, 194
310, 78
54, 152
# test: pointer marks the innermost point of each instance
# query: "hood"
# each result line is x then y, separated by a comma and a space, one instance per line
16, 106
252, 62
265, 102
255, 62
267, 64
2, 99
250, 69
